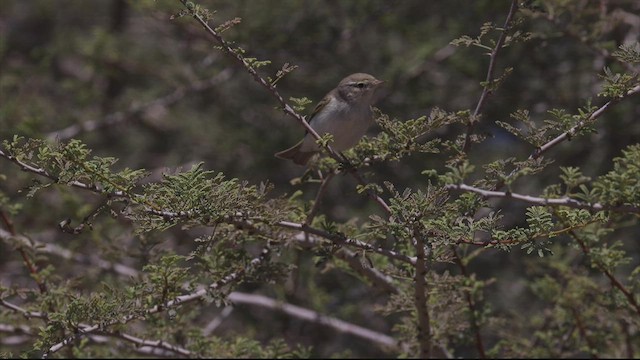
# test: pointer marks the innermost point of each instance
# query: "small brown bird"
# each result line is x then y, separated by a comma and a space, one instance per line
345, 112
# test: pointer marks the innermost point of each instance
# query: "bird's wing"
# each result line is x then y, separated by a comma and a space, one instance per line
318, 107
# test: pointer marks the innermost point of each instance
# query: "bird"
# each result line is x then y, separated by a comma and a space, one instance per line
345, 113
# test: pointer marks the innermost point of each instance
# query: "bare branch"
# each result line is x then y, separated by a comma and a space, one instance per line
15, 334
315, 317
92, 260
378, 278
26, 313
571, 132
156, 344
490, 70
215, 323
316, 203
564, 201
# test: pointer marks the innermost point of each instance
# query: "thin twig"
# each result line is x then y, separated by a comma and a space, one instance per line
489, 78
66, 224
312, 236
571, 132
217, 321
583, 333
375, 197
379, 279
614, 281
567, 135
350, 257
33, 270
91, 260
160, 344
316, 203
475, 326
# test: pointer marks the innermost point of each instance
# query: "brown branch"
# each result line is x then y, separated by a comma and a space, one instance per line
420, 297
316, 203
375, 197
490, 70
33, 270
475, 327
583, 333
614, 281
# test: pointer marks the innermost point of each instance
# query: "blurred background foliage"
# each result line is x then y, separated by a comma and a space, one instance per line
67, 62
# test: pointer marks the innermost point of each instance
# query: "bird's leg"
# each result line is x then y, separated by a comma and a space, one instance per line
345, 164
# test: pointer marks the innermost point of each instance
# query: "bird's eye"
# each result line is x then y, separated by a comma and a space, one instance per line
360, 85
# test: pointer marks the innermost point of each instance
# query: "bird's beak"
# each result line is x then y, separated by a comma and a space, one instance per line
377, 82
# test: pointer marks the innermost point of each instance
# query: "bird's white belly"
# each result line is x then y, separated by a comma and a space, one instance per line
347, 127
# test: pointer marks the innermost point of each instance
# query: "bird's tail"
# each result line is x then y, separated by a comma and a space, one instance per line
293, 153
